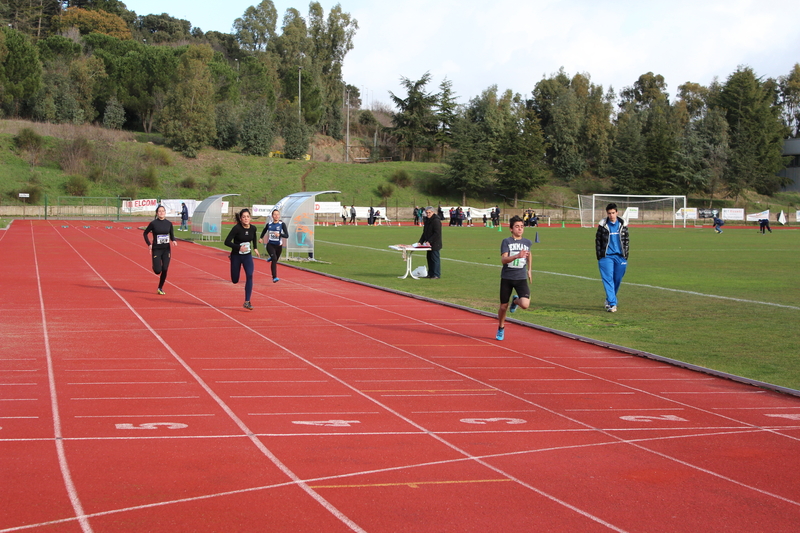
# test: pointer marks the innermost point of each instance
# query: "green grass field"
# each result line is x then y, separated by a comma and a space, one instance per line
728, 302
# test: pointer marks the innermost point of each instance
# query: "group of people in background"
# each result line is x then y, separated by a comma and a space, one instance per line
459, 217
529, 218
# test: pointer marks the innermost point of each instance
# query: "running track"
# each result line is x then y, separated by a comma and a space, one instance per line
338, 407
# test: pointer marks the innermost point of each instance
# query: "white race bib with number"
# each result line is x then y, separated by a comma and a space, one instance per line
162, 239
244, 248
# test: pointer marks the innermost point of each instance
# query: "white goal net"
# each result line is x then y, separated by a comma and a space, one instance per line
634, 208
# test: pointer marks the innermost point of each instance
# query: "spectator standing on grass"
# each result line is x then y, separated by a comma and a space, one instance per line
184, 217
611, 245
515, 256
416, 216
276, 231
344, 215
352, 214
242, 241
432, 235
160, 249
718, 223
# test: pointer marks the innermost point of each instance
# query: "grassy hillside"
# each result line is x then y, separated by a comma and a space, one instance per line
92, 161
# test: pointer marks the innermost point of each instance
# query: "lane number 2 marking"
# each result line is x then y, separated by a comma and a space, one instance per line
667, 418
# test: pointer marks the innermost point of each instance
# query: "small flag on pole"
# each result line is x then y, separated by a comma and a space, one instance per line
536, 240
782, 218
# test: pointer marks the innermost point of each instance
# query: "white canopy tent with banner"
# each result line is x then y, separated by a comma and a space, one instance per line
297, 211
207, 217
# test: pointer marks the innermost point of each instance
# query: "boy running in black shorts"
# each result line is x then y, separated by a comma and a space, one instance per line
515, 255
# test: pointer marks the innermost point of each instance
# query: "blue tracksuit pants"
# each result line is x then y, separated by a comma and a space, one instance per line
612, 269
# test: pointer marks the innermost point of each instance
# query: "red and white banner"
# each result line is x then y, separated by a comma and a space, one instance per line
140, 206
755, 217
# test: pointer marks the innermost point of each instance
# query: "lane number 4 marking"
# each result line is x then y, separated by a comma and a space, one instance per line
153, 425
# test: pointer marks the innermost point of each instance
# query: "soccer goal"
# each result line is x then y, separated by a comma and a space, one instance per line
634, 208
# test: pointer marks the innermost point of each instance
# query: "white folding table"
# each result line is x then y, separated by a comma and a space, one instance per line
408, 251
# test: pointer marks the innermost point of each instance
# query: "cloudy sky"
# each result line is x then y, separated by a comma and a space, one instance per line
513, 43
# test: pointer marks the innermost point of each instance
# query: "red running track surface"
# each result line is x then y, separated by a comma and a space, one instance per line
338, 407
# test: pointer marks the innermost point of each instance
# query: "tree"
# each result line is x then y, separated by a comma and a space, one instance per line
94, 22
162, 28
757, 133
20, 70
522, 153
188, 118
647, 90
468, 162
568, 162
258, 130
627, 161
446, 113
790, 98
295, 140
415, 122
256, 27
114, 116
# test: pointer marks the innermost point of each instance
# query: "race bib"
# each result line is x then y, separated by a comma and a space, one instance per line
518, 263
162, 239
244, 248
274, 235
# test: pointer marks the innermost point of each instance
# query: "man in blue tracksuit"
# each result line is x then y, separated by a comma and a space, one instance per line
612, 244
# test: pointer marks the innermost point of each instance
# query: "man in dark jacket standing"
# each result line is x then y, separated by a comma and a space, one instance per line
432, 234
612, 244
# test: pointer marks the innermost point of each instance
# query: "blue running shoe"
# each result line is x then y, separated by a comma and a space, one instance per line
513, 305
275, 280
501, 333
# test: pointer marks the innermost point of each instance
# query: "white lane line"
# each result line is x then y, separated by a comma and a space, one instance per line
16, 384
298, 396
141, 398
668, 379
284, 381
623, 409
141, 416
247, 369
319, 413
123, 370
75, 501
540, 379
407, 380
750, 408
19, 399
575, 393
132, 383
714, 392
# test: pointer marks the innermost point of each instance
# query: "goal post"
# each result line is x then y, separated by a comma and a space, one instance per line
636, 208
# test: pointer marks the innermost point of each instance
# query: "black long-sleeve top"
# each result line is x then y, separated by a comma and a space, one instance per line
432, 233
238, 235
162, 233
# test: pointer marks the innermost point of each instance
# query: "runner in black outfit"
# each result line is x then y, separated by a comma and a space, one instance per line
161, 228
243, 241
277, 232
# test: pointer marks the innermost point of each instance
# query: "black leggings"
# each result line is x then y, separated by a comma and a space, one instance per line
161, 264
274, 251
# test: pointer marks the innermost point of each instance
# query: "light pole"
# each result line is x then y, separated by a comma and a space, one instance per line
347, 142
300, 94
